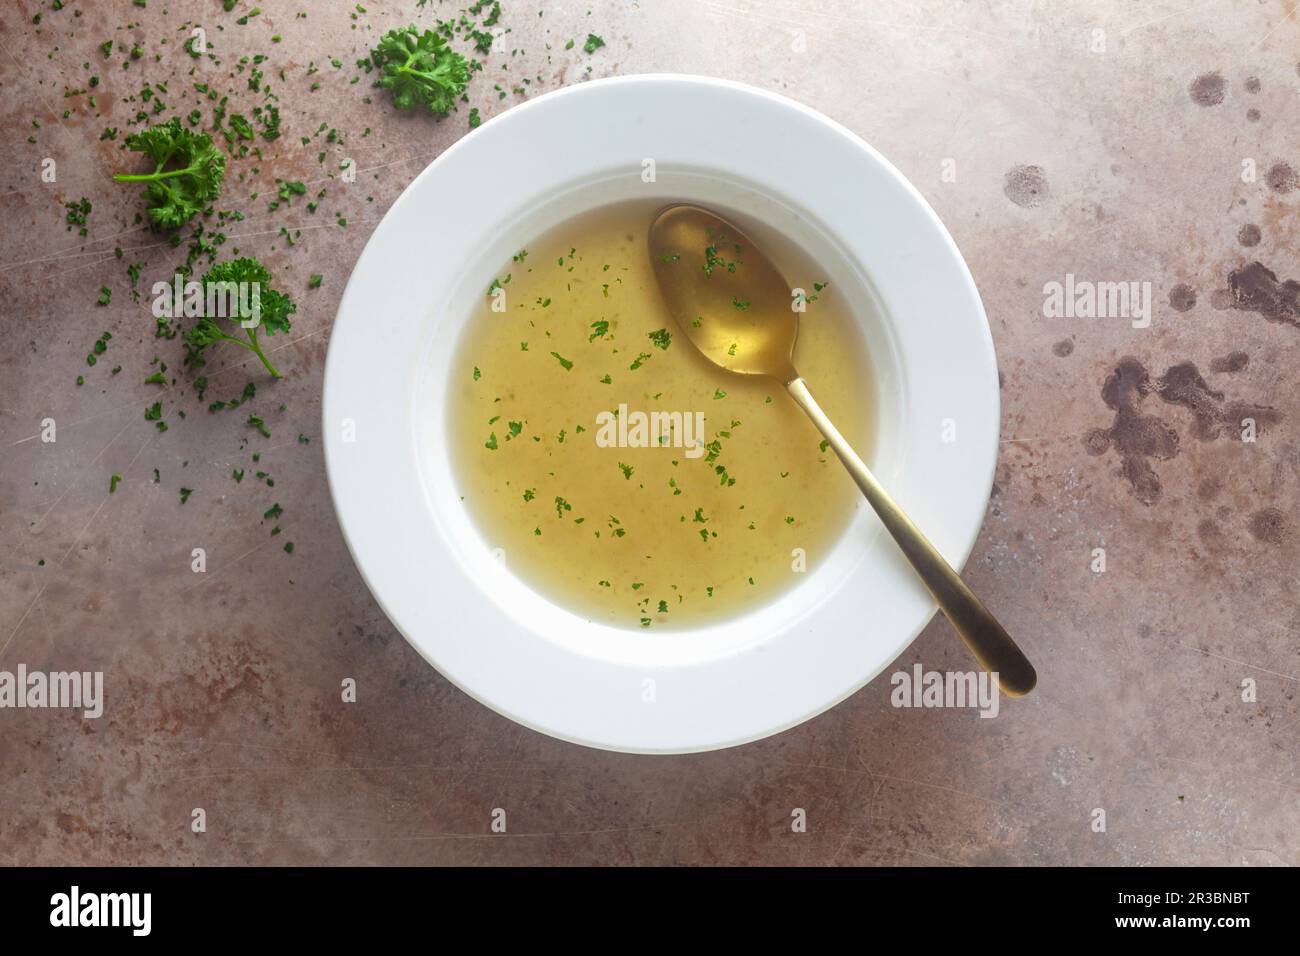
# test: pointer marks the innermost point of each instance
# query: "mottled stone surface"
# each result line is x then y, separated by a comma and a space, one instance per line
1117, 156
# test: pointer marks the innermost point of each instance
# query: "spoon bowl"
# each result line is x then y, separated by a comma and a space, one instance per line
725, 295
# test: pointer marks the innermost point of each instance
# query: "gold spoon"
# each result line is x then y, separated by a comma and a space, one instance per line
734, 306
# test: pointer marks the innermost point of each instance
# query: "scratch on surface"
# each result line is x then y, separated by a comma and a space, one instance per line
1229, 660
235, 561
1278, 24
36, 525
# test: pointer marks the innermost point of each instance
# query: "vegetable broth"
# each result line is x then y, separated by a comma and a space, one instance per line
618, 515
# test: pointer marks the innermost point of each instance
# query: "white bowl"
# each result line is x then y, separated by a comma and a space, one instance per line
774, 167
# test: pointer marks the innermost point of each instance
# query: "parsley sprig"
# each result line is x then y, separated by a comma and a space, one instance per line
187, 174
274, 311
420, 69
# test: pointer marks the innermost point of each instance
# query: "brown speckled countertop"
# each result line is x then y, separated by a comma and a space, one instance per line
1101, 141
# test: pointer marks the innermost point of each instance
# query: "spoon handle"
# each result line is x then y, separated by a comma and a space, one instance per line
986, 638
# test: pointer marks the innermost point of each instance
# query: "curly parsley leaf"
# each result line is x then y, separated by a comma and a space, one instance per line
420, 69
242, 291
187, 174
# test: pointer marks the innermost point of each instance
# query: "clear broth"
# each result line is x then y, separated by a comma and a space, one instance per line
662, 535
